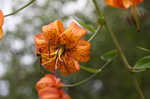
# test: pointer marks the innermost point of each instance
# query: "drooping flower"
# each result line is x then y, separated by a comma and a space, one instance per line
49, 87
62, 49
124, 4
1, 24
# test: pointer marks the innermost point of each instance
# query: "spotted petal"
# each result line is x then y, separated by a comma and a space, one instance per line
52, 31
68, 65
81, 52
72, 35
48, 61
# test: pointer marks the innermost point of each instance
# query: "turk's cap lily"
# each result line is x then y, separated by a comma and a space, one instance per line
62, 49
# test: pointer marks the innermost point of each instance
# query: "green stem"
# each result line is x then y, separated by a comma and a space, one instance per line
119, 49
91, 70
97, 30
118, 46
99, 12
137, 86
18, 10
89, 78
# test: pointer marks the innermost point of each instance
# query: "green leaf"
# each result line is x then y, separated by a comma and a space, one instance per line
91, 70
85, 26
143, 63
143, 49
138, 70
109, 55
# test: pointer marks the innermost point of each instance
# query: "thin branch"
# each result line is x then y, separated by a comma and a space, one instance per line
94, 34
18, 10
137, 86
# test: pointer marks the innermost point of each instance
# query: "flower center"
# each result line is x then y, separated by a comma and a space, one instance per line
55, 56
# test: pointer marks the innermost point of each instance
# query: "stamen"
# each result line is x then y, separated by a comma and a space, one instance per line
50, 60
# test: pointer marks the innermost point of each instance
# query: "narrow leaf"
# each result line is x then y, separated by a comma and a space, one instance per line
143, 49
85, 26
89, 69
138, 70
143, 62
109, 55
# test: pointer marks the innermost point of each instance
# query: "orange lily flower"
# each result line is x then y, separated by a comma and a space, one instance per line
124, 4
62, 49
49, 87
1, 24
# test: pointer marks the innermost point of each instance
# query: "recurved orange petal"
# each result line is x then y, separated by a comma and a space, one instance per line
40, 40
47, 55
68, 65
124, 4
48, 64
72, 35
52, 31
1, 24
81, 52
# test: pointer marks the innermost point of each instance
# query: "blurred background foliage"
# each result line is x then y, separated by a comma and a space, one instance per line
20, 68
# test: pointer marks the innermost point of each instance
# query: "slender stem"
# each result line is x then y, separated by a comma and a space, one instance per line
89, 78
91, 70
99, 12
18, 10
138, 87
119, 49
97, 30
118, 46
